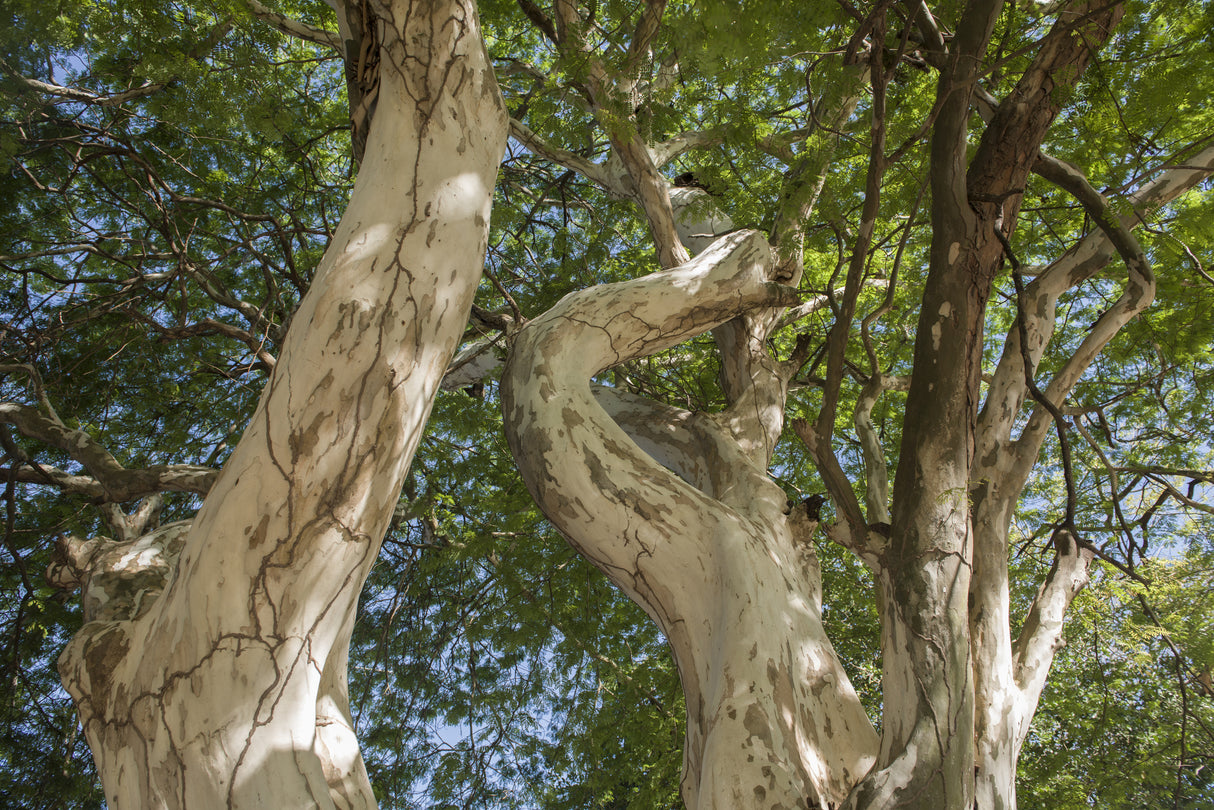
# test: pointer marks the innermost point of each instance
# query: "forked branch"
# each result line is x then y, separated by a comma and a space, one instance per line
108, 480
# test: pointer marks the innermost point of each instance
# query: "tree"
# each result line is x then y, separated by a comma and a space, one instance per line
641, 134
203, 674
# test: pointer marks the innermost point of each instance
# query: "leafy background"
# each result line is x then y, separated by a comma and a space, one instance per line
491, 666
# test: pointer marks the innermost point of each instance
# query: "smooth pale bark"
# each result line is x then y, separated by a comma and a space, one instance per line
697, 219
1014, 671
672, 507
923, 571
753, 642
228, 689
945, 616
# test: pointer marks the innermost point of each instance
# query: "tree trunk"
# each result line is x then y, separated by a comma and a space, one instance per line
219, 679
674, 509
945, 648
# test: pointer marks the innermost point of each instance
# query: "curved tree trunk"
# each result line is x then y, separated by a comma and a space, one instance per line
692, 530
672, 507
228, 687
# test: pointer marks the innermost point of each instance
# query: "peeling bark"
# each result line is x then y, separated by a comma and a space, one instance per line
212, 669
228, 688
945, 618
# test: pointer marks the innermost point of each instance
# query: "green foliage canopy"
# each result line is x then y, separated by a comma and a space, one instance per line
172, 172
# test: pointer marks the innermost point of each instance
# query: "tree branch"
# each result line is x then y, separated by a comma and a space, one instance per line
117, 483
855, 534
295, 28
642, 37
28, 472
1206, 476
140, 521
652, 191
594, 172
778, 145
568, 25
213, 38
669, 149
596, 481
1041, 636
1179, 496
1007, 390
210, 326
85, 96
840, 330
538, 18
1069, 178
610, 100
818, 438
1064, 445
1137, 295
876, 472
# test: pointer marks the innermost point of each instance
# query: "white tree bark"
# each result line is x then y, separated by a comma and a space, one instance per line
228, 689
674, 509
1009, 674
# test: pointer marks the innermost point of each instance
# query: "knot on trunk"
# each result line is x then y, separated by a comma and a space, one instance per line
118, 580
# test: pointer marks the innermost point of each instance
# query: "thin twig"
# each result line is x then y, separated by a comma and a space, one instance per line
1178, 660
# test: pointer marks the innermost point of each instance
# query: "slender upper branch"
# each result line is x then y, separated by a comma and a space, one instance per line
806, 177
86, 96
213, 38
778, 145
876, 471
595, 172
652, 191
539, 19
1137, 296
568, 24
855, 534
1068, 177
841, 328
1007, 389
296, 28
818, 438
611, 97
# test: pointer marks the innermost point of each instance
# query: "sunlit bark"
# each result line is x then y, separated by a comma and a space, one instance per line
222, 682
1011, 673
676, 511
213, 667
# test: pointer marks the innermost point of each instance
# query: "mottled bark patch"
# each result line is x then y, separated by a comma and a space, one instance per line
756, 725
105, 649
